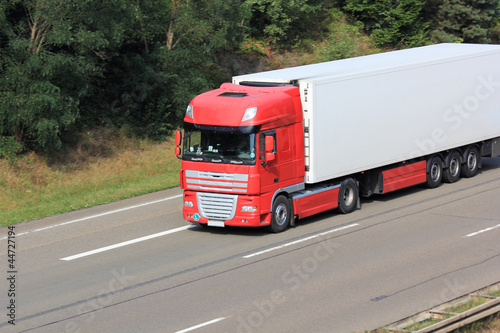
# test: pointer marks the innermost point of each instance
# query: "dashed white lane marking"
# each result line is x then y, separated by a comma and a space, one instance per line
132, 241
300, 240
97, 215
201, 325
481, 231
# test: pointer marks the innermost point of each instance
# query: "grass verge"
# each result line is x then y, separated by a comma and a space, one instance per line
421, 321
104, 166
488, 325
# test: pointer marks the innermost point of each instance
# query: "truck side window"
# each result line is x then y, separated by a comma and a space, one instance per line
262, 144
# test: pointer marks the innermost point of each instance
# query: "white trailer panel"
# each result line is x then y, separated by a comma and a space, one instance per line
371, 111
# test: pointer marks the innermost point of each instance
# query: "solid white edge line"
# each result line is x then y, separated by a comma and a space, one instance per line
97, 215
481, 231
132, 241
201, 325
300, 240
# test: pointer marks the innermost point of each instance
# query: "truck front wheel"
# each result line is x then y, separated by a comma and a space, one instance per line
348, 196
281, 214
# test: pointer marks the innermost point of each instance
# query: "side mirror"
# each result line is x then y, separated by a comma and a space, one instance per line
178, 138
178, 142
270, 156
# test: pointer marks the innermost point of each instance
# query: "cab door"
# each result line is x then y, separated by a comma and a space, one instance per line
277, 173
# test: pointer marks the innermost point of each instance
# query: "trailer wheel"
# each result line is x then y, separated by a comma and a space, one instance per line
471, 163
453, 167
281, 214
348, 196
434, 171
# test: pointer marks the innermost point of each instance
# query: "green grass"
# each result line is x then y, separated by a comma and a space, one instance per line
488, 325
104, 166
472, 303
423, 324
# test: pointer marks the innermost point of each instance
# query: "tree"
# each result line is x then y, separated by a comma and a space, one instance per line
68, 65
53, 54
465, 20
39, 89
281, 20
392, 23
185, 40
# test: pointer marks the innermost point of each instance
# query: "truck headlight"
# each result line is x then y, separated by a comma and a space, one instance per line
188, 203
249, 208
189, 111
250, 113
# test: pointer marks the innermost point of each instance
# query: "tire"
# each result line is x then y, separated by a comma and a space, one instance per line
348, 196
453, 167
470, 168
434, 172
280, 214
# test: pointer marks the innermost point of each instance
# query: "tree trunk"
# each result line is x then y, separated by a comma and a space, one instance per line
173, 17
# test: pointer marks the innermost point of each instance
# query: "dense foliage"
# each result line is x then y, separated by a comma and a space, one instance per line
70, 65
392, 22
67, 66
469, 21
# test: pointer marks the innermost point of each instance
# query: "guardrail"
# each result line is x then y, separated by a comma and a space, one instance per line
452, 315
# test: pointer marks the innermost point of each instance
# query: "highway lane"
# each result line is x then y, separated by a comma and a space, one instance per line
401, 254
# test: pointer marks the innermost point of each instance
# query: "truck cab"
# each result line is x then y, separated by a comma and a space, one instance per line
242, 146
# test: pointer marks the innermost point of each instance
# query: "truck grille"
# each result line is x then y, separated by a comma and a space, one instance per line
214, 206
216, 181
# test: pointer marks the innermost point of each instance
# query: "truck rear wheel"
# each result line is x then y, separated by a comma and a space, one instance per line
453, 167
471, 163
281, 214
348, 196
434, 171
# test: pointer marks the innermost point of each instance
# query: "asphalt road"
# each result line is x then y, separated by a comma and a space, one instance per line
135, 265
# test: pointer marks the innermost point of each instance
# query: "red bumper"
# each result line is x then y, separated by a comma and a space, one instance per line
224, 208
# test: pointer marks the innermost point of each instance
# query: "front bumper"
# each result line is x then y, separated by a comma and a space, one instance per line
214, 208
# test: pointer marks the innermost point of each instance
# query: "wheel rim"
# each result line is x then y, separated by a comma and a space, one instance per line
471, 161
454, 167
348, 196
280, 214
435, 172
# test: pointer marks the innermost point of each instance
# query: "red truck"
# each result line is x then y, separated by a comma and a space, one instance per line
275, 146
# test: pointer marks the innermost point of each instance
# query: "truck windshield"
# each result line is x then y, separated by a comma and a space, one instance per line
219, 145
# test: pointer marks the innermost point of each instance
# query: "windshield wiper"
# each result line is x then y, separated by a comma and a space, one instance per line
233, 160
197, 157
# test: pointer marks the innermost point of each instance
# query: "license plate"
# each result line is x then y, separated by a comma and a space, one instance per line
216, 224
